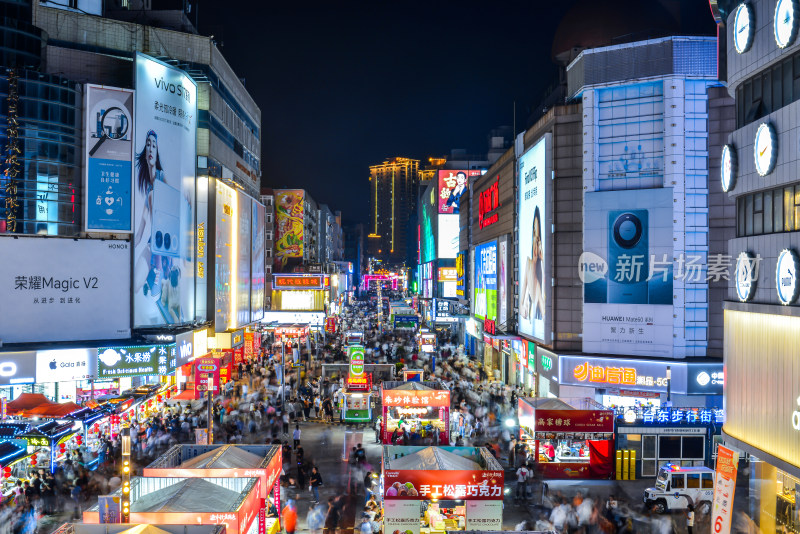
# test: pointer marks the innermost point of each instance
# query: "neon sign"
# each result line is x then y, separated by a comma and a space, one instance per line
615, 375
489, 201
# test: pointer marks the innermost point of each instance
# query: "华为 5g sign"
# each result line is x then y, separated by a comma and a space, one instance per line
58, 289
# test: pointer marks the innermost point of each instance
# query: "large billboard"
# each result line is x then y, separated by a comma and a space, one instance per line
164, 184
447, 236
108, 156
244, 211
534, 267
626, 268
257, 263
427, 241
64, 289
225, 262
486, 281
453, 184
289, 207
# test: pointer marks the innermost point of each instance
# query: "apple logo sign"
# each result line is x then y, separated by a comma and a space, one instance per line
53, 365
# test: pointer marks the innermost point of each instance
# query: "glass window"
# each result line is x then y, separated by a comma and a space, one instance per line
767, 212
777, 212
788, 209
758, 214
693, 447
748, 214
707, 480
669, 447
678, 481
648, 446
693, 480
796, 207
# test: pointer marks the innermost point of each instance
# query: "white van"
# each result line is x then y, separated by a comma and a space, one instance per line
677, 487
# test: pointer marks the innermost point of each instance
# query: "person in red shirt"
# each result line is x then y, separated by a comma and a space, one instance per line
289, 517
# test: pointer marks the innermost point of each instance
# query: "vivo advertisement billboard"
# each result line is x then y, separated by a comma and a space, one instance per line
486, 281
626, 269
64, 289
534, 268
164, 184
108, 145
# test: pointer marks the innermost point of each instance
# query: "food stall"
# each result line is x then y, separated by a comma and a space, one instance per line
567, 442
433, 489
227, 461
12, 464
421, 409
356, 401
134, 528
233, 502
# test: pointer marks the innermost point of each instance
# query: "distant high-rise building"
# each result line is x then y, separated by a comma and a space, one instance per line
393, 194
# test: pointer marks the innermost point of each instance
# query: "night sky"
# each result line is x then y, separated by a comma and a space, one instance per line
342, 87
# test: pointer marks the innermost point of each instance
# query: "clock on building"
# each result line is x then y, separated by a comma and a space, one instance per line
765, 149
786, 277
745, 276
728, 168
743, 28
786, 22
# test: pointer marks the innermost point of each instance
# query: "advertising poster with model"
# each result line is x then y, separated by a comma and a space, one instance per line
164, 183
626, 269
533, 265
486, 281
289, 205
108, 142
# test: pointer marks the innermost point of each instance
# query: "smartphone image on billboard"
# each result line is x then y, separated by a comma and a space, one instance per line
628, 256
165, 236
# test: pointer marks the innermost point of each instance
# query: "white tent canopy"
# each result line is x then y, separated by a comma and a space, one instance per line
434, 459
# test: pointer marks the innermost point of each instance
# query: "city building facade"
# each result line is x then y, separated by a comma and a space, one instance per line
392, 202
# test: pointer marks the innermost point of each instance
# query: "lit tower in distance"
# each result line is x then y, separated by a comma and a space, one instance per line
392, 200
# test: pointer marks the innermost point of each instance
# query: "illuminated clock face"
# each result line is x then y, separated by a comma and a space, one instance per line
786, 277
786, 22
728, 170
764, 149
745, 276
743, 28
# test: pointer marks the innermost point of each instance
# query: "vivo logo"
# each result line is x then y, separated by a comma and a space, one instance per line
178, 89
591, 267
185, 350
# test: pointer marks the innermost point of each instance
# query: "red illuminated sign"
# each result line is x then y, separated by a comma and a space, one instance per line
489, 327
489, 201
282, 281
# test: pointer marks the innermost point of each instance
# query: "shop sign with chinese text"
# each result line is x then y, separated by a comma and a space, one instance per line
443, 485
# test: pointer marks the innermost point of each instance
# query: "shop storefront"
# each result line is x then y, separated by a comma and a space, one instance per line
569, 442
642, 383
437, 489
140, 365
525, 355
547, 371
414, 413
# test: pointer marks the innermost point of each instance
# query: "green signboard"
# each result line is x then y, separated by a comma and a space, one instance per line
356, 356
116, 362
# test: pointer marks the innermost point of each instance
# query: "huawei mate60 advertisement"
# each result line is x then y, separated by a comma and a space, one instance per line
626, 269
533, 265
486, 281
164, 194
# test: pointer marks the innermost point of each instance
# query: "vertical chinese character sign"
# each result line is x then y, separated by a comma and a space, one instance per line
11, 164
724, 487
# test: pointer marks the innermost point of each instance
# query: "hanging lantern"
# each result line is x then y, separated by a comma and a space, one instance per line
62, 446
7, 472
159, 398
169, 393
33, 460
79, 439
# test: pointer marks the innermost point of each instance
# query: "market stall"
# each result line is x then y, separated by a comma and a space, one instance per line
94, 423
233, 502
138, 528
227, 461
356, 400
415, 413
435, 489
13, 466
567, 442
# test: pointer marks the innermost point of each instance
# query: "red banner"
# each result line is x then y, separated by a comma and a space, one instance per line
724, 489
257, 343
412, 397
206, 368
574, 421
238, 355
249, 345
443, 485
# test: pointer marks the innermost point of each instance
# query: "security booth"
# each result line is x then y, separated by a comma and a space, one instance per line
679, 436
227, 461
233, 502
356, 400
420, 411
567, 441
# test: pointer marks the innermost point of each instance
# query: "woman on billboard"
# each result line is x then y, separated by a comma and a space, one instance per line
533, 297
156, 257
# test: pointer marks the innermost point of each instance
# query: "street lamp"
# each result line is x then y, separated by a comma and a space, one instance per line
126, 474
